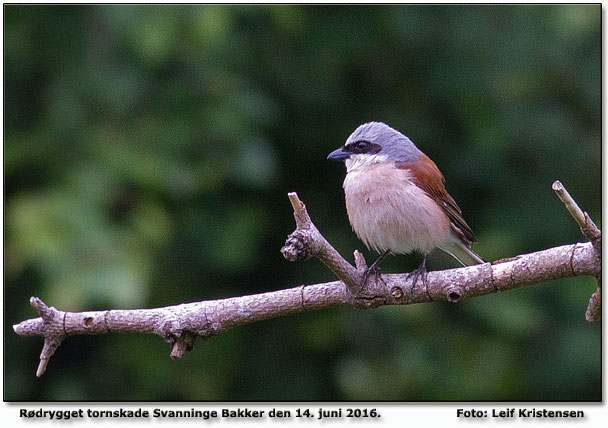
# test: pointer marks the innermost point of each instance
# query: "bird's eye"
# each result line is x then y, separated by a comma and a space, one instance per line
358, 147
361, 146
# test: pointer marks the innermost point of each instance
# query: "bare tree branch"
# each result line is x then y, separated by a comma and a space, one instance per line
181, 324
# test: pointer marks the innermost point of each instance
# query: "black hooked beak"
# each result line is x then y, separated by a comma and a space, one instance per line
339, 154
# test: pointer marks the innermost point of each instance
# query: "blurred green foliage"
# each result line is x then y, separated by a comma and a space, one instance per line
149, 149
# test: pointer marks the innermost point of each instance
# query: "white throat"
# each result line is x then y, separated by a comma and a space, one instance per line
355, 162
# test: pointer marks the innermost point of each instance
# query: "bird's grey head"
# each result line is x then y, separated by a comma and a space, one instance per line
375, 142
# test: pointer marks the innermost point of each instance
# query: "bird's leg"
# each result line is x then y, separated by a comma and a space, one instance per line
373, 269
420, 271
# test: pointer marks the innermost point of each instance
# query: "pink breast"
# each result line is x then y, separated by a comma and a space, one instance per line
388, 212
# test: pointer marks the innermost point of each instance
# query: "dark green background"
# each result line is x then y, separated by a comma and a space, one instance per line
148, 153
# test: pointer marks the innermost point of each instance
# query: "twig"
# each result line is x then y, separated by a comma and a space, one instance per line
307, 241
53, 332
569, 202
591, 232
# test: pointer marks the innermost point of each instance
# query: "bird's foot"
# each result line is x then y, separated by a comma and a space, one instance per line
419, 272
374, 271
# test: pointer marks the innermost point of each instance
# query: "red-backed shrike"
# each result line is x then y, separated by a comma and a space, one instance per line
396, 199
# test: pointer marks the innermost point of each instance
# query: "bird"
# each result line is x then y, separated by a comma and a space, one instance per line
396, 199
